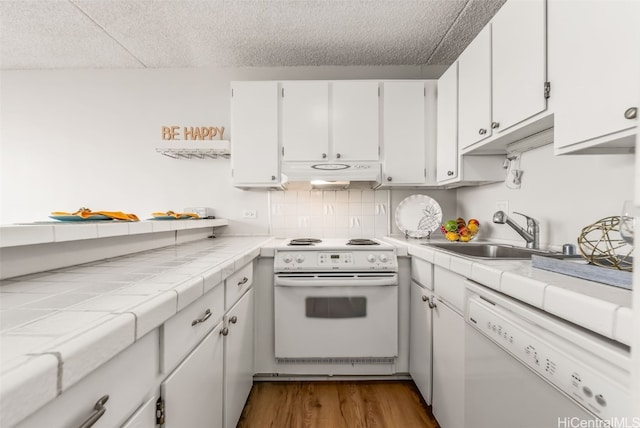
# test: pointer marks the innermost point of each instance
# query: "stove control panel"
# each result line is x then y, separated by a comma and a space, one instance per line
291, 260
335, 259
585, 384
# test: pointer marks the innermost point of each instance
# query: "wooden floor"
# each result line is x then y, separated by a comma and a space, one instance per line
362, 404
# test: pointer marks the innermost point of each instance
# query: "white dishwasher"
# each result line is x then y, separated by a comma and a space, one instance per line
525, 368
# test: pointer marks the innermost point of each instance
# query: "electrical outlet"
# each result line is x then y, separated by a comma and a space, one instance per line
249, 214
502, 206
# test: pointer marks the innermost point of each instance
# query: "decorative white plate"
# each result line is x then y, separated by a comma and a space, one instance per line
418, 216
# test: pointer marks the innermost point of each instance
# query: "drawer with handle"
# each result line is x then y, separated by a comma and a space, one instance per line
237, 284
183, 331
109, 395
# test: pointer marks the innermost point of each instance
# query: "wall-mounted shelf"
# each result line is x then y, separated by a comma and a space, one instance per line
194, 153
200, 149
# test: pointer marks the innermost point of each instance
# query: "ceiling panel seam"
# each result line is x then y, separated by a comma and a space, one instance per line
446, 34
107, 33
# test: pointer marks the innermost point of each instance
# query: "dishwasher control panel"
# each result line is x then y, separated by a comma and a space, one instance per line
582, 382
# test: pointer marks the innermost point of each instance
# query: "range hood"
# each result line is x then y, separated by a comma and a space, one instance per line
333, 174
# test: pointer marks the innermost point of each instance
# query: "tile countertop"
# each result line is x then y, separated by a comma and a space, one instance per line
598, 307
56, 231
58, 326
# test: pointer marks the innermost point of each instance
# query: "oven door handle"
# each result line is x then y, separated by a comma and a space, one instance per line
338, 282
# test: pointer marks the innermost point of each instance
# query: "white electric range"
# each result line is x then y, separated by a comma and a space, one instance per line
335, 301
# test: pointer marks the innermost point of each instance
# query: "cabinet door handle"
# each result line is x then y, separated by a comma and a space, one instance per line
495, 125
432, 303
337, 155
224, 331
449, 173
389, 178
243, 281
273, 177
425, 299
233, 319
206, 316
324, 156
98, 411
631, 113
482, 131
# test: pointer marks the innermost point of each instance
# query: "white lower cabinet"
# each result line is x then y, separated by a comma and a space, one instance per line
210, 386
448, 366
448, 350
420, 340
144, 417
192, 394
238, 358
127, 380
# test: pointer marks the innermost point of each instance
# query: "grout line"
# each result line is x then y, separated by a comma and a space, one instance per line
108, 34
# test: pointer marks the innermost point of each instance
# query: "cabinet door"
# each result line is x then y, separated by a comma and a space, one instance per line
193, 392
519, 71
238, 358
420, 340
144, 417
254, 128
474, 90
447, 145
593, 68
403, 112
448, 366
305, 121
355, 118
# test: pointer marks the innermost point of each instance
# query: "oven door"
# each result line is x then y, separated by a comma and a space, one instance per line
336, 315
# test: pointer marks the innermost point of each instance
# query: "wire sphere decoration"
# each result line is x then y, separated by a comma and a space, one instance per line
602, 245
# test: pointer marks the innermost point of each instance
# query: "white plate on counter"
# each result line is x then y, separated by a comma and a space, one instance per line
418, 216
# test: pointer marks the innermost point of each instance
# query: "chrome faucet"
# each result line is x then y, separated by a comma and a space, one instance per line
531, 234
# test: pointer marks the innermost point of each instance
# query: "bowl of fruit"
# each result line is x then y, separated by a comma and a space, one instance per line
460, 230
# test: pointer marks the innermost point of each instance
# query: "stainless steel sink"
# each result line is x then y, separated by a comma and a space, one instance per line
490, 251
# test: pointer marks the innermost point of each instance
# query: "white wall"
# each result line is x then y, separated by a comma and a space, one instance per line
72, 139
86, 138
564, 193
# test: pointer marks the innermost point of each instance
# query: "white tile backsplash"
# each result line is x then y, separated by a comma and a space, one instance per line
352, 213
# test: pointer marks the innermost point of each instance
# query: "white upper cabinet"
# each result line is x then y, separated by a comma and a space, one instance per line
502, 80
474, 120
453, 168
254, 129
518, 36
594, 69
355, 120
305, 120
403, 112
330, 121
447, 146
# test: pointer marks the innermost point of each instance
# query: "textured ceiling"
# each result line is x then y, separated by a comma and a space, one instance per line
46, 34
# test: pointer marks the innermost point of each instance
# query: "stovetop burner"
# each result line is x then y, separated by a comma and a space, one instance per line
362, 241
304, 242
